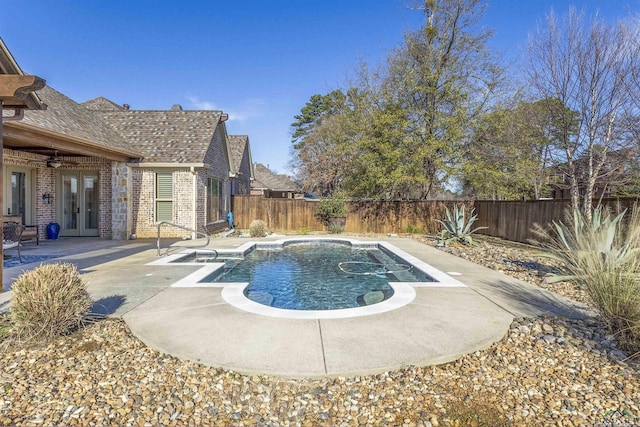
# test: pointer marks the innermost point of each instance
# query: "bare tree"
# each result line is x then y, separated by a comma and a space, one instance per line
588, 68
324, 156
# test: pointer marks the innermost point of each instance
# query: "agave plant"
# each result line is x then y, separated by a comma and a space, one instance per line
457, 226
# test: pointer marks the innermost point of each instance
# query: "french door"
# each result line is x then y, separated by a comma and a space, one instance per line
18, 192
78, 203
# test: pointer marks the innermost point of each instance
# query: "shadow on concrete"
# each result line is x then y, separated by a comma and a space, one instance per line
525, 300
84, 253
107, 306
14, 261
85, 261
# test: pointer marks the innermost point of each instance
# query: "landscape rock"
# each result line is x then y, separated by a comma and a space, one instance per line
546, 371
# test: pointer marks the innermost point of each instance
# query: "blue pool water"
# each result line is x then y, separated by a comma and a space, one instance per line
321, 275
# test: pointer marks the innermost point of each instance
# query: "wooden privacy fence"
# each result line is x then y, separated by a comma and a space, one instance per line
511, 220
364, 216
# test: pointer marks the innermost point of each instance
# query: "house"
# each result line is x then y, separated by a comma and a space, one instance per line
184, 175
272, 185
102, 169
618, 171
242, 165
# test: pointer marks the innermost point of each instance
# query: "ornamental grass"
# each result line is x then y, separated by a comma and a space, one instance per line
49, 301
602, 256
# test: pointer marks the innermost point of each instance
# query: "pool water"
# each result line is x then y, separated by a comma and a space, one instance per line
317, 275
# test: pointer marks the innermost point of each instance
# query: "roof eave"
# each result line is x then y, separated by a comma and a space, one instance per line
111, 153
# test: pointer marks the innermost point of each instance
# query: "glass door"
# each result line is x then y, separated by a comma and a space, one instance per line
70, 208
17, 193
90, 205
79, 203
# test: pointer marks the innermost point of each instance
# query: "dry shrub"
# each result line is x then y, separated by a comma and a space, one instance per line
258, 228
48, 301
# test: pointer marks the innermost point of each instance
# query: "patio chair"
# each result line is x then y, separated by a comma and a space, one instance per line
31, 233
11, 235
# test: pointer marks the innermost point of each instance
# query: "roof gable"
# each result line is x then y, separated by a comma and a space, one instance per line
102, 104
166, 136
237, 145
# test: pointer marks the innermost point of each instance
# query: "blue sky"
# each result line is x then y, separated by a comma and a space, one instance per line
258, 61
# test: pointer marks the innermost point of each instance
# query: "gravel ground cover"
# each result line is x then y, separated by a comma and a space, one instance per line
545, 372
522, 261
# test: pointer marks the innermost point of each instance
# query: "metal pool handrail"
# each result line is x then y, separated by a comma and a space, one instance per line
182, 228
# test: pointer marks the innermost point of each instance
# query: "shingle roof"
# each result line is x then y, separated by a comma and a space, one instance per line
102, 104
67, 117
264, 178
237, 145
165, 136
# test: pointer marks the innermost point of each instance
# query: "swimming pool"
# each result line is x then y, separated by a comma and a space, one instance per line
315, 275
311, 277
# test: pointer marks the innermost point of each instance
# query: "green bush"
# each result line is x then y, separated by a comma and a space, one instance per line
413, 229
304, 230
330, 208
48, 301
603, 257
258, 228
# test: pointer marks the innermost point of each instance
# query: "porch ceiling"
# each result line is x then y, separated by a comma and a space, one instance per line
34, 140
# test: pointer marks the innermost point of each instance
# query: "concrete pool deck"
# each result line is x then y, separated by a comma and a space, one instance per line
438, 326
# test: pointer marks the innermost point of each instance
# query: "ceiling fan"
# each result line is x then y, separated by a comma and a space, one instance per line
55, 161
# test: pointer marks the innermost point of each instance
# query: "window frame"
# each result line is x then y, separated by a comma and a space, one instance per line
162, 200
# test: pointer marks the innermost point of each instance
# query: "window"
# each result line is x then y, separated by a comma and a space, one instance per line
164, 196
214, 200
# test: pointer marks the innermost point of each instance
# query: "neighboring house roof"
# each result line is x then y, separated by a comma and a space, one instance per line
166, 136
68, 119
265, 179
102, 104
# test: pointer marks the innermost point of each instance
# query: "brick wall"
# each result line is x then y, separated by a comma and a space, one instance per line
45, 213
217, 157
243, 185
143, 202
183, 198
105, 225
